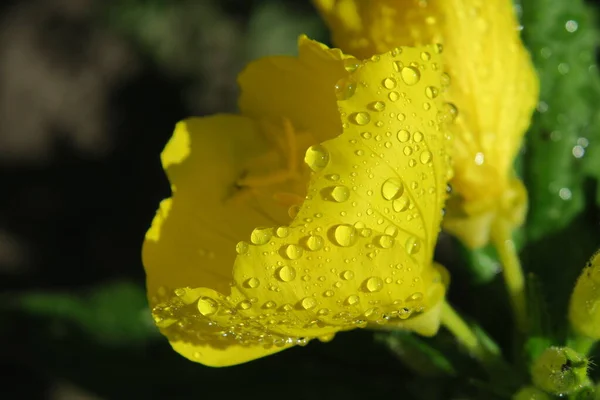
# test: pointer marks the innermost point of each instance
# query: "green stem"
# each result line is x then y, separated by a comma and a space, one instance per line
512, 271
465, 335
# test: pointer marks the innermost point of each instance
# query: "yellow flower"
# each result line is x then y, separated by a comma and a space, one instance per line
326, 209
494, 88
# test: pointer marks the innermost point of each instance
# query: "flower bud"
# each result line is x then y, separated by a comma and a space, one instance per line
530, 393
584, 309
560, 371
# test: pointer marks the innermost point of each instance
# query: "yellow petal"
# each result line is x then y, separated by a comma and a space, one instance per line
193, 234
494, 86
359, 249
299, 88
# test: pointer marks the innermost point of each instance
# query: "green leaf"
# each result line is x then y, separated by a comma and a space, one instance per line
115, 313
562, 39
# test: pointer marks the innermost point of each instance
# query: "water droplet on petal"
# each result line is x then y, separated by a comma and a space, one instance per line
282, 231
352, 300
374, 284
413, 245
401, 204
340, 193
344, 89
270, 304
386, 241
418, 137
392, 189
389, 83
393, 96
410, 75
252, 283
377, 106
286, 273
328, 293
403, 135
360, 118
207, 306
308, 303
260, 236
347, 275
316, 157
345, 235
351, 64
242, 248
293, 252
245, 304
426, 157
431, 92
315, 242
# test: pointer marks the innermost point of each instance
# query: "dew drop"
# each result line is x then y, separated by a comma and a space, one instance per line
377, 106
207, 306
389, 83
413, 245
366, 135
316, 157
391, 231
374, 284
392, 189
347, 275
345, 235
245, 304
386, 241
352, 300
328, 293
403, 135
252, 283
344, 89
308, 303
269, 304
242, 248
418, 137
410, 75
293, 252
314, 242
260, 236
323, 312
426, 157
432, 92
340, 193
360, 118
445, 79
286, 273
393, 96
351, 64
282, 231
398, 65
425, 56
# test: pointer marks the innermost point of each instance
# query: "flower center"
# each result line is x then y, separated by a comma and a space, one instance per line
279, 177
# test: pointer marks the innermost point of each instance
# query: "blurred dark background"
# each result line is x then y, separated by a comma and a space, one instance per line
89, 93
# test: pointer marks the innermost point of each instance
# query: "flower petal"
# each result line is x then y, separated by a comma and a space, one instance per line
300, 88
494, 85
360, 247
203, 160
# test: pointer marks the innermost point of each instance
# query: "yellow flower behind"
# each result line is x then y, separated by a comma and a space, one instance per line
494, 88
314, 211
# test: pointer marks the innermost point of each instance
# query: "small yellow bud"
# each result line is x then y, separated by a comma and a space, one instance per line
560, 371
584, 309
